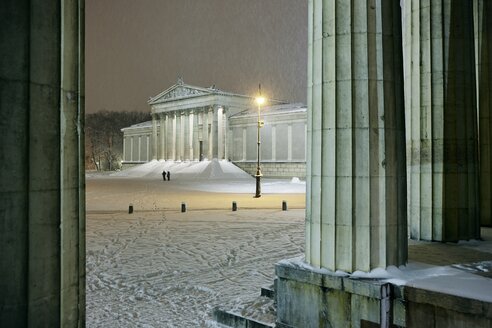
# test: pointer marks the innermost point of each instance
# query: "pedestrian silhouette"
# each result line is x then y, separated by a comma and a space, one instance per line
164, 175
168, 175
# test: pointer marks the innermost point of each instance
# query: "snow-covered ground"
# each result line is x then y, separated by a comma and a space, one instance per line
170, 269
158, 267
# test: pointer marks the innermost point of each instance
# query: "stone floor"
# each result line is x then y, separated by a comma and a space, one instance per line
474, 257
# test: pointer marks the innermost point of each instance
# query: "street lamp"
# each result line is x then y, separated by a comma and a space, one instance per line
259, 101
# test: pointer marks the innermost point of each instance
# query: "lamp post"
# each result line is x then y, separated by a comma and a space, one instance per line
259, 101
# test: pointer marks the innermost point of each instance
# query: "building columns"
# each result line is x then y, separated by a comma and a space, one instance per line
42, 194
195, 142
187, 139
155, 140
356, 189
209, 129
178, 137
483, 46
442, 124
162, 136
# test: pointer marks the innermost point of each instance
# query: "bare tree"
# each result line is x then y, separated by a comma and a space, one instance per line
104, 139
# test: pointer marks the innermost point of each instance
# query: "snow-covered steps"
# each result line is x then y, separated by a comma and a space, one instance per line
261, 313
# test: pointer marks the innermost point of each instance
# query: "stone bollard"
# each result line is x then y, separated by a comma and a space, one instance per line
130, 209
284, 205
183, 207
234, 206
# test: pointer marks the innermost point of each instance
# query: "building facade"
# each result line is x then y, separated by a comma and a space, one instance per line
192, 123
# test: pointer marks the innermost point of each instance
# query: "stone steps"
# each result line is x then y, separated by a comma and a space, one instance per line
261, 313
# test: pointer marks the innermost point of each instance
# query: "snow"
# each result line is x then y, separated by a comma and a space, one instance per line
170, 269
158, 267
455, 280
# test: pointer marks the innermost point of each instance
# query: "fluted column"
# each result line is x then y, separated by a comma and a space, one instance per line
162, 135
42, 189
173, 138
442, 129
209, 118
186, 134
179, 137
196, 142
483, 43
356, 191
215, 132
155, 140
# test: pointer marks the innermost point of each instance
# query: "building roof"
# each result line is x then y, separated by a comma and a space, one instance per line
180, 90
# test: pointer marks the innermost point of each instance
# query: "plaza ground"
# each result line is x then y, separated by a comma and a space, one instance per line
159, 267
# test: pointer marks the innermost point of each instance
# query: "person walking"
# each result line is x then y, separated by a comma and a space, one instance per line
168, 175
164, 175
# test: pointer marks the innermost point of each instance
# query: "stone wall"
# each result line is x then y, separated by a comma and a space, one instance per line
276, 169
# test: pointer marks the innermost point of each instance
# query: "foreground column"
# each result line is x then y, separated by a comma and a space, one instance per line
179, 137
442, 128
42, 203
483, 35
356, 191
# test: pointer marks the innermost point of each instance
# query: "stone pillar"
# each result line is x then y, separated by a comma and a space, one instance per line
170, 135
124, 148
162, 136
483, 46
186, 135
131, 148
442, 129
289, 142
209, 117
42, 193
224, 133
196, 142
356, 189
274, 143
244, 143
154, 136
215, 133
179, 137
220, 133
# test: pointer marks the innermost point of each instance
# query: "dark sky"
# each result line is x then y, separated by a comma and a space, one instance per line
137, 48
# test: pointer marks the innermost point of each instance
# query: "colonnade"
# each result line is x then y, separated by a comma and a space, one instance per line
190, 134
356, 211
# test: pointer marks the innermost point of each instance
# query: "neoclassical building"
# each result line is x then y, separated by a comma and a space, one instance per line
191, 123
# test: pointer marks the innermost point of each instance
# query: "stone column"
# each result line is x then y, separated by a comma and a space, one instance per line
42, 193
289, 142
162, 137
173, 138
179, 138
186, 139
224, 133
244, 143
196, 143
124, 148
356, 189
215, 132
209, 117
131, 148
274, 142
483, 46
170, 135
155, 141
442, 128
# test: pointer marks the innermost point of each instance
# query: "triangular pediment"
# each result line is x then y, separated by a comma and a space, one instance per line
179, 92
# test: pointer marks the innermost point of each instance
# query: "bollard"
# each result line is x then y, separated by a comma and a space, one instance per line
234, 206
130, 209
284, 205
183, 207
